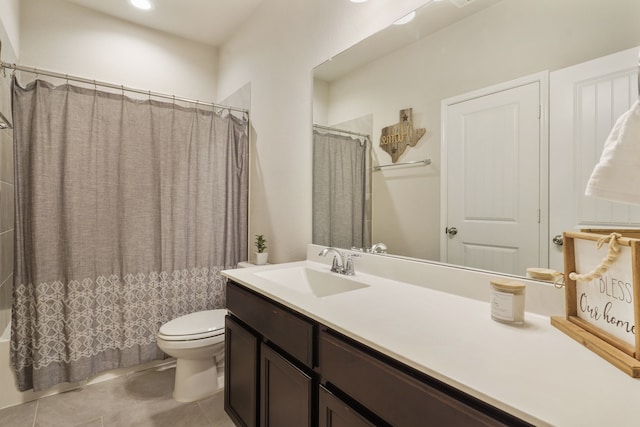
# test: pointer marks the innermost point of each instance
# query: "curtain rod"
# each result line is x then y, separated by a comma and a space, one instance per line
67, 77
342, 131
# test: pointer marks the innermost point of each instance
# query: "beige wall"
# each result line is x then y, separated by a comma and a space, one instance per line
9, 29
64, 37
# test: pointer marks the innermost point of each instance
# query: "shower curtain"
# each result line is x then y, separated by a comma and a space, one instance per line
126, 212
339, 178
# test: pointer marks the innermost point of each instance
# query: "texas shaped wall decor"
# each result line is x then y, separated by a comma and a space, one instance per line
396, 138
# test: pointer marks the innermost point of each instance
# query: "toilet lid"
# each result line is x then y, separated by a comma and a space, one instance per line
200, 324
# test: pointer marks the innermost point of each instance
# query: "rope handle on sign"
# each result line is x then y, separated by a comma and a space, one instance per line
612, 255
558, 280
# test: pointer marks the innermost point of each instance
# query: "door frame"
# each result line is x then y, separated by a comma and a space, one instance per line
542, 78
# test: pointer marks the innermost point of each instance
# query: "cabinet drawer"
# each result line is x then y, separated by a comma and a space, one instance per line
277, 324
393, 395
333, 412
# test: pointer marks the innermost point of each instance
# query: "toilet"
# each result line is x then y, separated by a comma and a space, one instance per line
196, 340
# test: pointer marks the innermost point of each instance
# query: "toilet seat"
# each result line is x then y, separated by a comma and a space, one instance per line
194, 326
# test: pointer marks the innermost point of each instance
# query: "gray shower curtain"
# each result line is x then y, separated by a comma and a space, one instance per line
126, 212
339, 184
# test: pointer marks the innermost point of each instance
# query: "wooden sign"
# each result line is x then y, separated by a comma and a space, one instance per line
396, 138
602, 312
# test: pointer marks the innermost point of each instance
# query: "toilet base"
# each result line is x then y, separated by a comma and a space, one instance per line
195, 379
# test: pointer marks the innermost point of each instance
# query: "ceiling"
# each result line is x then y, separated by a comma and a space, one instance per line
205, 21
430, 18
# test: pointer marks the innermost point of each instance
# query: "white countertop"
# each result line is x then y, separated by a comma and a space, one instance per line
534, 372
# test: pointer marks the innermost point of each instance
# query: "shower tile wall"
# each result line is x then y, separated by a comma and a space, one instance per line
7, 205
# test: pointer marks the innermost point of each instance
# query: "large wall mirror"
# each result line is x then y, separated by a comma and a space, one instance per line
459, 51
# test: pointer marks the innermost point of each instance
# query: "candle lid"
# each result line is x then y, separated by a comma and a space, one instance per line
508, 285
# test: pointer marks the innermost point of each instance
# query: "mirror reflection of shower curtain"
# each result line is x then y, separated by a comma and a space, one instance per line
126, 213
339, 191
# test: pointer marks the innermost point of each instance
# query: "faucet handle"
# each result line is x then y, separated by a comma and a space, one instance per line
335, 265
348, 267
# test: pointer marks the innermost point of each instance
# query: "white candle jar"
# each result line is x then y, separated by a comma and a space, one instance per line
507, 301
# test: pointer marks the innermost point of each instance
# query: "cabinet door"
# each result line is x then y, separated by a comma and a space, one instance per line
240, 374
333, 412
286, 392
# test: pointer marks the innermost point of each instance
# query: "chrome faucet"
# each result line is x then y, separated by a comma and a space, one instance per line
337, 266
379, 248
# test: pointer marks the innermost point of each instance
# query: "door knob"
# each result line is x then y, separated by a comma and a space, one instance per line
558, 240
451, 231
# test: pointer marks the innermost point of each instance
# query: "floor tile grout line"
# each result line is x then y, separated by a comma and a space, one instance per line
204, 413
35, 413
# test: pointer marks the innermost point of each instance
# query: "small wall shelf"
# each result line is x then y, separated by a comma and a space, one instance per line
424, 162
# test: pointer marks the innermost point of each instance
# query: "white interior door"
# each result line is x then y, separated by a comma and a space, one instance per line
493, 155
585, 101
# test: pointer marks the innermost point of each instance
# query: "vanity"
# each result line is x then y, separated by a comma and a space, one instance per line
405, 343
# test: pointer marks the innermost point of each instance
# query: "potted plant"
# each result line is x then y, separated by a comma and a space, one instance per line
261, 246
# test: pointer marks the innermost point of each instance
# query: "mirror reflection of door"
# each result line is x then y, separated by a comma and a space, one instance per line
493, 150
586, 100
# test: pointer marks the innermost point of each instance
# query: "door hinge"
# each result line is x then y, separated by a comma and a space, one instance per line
539, 214
539, 111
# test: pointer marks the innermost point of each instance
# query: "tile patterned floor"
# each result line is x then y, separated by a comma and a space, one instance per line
140, 399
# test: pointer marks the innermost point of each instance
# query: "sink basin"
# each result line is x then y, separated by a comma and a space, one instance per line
309, 281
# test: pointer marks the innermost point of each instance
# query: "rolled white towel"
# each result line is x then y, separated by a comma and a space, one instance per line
617, 175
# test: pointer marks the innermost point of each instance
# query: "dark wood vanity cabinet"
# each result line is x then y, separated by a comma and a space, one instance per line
269, 380
284, 369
